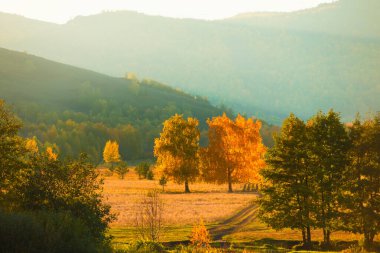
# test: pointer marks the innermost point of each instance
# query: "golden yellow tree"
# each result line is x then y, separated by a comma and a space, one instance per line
200, 236
177, 149
50, 153
111, 152
31, 145
235, 151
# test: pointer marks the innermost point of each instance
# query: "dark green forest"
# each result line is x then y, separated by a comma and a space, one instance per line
76, 110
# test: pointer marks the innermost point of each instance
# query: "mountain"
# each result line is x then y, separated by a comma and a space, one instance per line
265, 65
79, 110
349, 18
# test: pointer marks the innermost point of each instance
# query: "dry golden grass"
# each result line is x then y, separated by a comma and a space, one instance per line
210, 202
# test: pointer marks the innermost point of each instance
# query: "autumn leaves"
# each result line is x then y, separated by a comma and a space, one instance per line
234, 153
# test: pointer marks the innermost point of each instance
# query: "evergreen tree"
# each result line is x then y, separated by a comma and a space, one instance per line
361, 191
329, 144
288, 191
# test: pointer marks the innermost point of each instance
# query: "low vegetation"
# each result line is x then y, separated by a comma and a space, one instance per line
321, 179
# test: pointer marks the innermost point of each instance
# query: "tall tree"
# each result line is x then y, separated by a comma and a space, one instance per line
177, 149
361, 191
288, 190
235, 151
328, 148
111, 152
11, 148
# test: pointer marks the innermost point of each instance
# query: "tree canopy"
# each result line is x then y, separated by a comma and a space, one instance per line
235, 151
177, 149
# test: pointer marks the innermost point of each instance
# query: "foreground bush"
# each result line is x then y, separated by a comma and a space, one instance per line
31, 232
141, 247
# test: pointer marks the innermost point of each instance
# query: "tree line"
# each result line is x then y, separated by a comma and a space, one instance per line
324, 174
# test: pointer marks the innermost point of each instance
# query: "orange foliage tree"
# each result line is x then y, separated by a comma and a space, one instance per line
177, 149
50, 154
31, 145
235, 151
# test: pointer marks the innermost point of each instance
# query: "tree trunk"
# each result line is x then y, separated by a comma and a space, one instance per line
187, 189
229, 180
368, 240
308, 237
303, 236
326, 238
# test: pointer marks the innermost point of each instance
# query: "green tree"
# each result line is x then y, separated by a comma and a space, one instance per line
361, 191
163, 181
12, 149
142, 169
329, 144
288, 191
177, 149
69, 186
122, 169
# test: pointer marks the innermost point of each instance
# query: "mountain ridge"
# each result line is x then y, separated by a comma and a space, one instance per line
260, 71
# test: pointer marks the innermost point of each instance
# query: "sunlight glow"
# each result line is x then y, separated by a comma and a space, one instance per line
62, 11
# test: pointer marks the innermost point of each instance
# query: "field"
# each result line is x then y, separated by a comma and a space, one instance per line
230, 217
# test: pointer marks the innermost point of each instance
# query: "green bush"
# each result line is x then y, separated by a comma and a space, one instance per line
142, 247
32, 232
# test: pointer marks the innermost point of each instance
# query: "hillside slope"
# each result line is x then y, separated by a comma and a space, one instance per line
265, 65
79, 110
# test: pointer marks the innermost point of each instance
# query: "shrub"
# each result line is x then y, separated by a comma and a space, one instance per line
142, 169
122, 169
33, 232
141, 247
149, 175
200, 236
149, 217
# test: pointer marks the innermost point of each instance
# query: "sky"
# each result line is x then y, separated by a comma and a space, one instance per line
60, 11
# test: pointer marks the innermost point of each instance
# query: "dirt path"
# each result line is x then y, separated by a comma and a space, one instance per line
235, 222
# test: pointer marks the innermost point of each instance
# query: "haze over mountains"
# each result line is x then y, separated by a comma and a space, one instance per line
266, 65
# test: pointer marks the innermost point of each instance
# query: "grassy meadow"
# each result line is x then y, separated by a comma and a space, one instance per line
209, 202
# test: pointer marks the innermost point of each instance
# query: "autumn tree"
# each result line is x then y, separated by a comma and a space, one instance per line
287, 200
51, 154
235, 151
361, 189
177, 149
200, 237
31, 145
328, 149
111, 152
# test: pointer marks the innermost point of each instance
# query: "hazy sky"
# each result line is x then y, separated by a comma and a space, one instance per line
60, 11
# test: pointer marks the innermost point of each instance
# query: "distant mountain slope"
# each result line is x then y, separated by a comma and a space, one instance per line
79, 110
352, 18
266, 66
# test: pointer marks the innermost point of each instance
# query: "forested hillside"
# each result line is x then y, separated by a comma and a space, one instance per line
263, 64
79, 110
